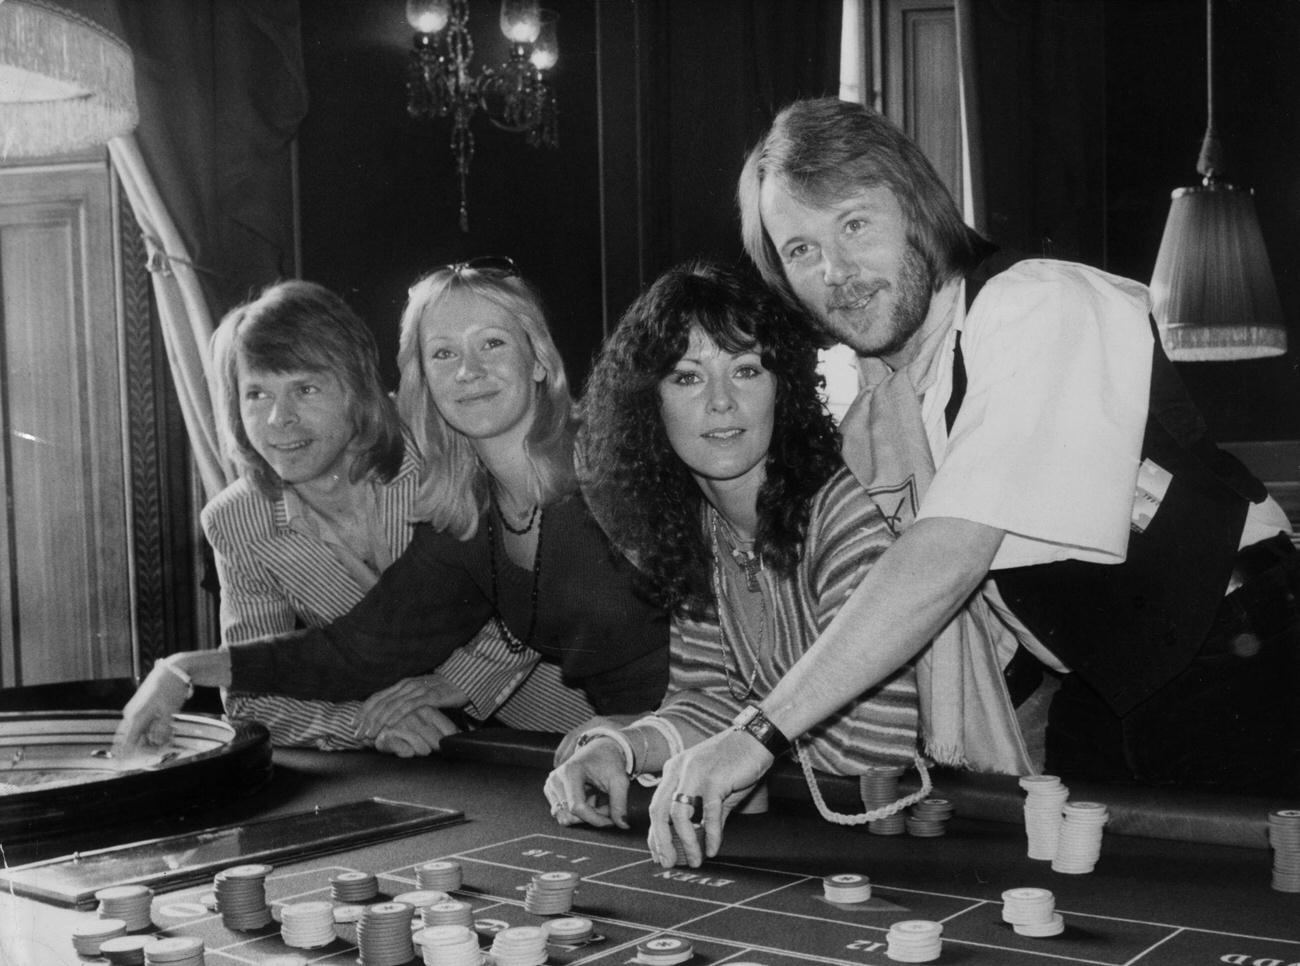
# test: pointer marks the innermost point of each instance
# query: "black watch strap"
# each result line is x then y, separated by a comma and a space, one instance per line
754, 723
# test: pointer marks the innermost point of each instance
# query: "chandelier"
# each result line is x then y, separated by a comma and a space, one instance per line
514, 95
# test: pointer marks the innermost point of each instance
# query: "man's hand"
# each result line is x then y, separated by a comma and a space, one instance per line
386, 708
418, 734
718, 772
147, 718
569, 743
591, 786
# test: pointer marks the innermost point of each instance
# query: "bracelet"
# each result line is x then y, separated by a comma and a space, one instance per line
669, 733
620, 739
170, 664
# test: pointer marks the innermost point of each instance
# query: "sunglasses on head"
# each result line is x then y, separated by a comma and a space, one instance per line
497, 266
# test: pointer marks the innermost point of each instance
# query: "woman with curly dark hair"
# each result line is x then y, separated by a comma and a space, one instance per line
710, 458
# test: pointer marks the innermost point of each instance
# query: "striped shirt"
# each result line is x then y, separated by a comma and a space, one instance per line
279, 571
846, 534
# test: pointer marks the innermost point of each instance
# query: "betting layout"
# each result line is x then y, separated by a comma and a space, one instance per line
553, 899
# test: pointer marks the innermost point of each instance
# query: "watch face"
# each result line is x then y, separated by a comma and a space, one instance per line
746, 716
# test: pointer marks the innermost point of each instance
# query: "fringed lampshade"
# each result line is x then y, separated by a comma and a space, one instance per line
66, 81
1212, 289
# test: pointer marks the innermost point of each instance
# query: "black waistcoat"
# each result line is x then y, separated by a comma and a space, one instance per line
1128, 628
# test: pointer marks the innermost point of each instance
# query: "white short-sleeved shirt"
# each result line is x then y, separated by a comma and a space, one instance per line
1047, 443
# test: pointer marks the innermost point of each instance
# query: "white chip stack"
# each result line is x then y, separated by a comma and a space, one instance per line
664, 951
450, 912
86, 936
174, 951
1078, 845
1032, 912
130, 903
307, 925
1044, 798
550, 893
519, 946
443, 874
571, 930
384, 934
448, 946
419, 899
1284, 839
915, 941
354, 887
846, 888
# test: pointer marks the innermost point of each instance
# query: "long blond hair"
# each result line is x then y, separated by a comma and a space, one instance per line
454, 488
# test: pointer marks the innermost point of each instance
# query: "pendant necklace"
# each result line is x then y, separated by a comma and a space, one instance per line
751, 564
512, 642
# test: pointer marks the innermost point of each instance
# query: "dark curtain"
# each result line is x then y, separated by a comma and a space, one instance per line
221, 93
1039, 73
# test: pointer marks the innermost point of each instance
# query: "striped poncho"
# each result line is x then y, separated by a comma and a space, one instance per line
846, 534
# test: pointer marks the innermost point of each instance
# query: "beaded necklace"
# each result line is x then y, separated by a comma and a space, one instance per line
512, 642
751, 564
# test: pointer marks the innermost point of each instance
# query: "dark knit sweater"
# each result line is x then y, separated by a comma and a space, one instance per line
591, 620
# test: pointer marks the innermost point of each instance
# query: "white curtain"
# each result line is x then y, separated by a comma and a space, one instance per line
183, 312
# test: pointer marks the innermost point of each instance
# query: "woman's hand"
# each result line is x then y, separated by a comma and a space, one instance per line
418, 734
569, 744
719, 772
386, 708
591, 786
147, 718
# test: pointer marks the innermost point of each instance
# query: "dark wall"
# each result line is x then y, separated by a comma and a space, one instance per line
659, 101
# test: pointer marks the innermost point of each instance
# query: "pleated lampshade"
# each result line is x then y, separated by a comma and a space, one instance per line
66, 81
1212, 290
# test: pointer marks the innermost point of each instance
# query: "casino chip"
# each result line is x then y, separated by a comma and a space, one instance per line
130, 903
928, 818
1044, 798
384, 934
174, 951
519, 946
679, 850
86, 936
1284, 839
417, 899
353, 887
879, 787
451, 912
846, 888
307, 925
1032, 912
664, 951
443, 874
1078, 842
124, 950
449, 946
241, 897
550, 893
572, 930
914, 941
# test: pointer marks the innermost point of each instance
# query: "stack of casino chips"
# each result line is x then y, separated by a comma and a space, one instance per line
550, 893
928, 818
519, 946
679, 850
353, 887
174, 951
1284, 839
384, 934
449, 912
571, 930
418, 899
1044, 798
124, 950
879, 787
914, 941
1032, 912
307, 925
442, 874
448, 946
129, 903
846, 888
86, 936
664, 951
241, 897
1078, 844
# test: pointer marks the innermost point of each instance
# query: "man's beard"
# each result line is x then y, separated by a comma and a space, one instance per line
912, 289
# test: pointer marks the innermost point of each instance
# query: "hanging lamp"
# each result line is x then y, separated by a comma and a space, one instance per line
66, 81
1213, 294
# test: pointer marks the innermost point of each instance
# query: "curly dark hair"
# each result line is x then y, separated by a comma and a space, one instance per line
640, 490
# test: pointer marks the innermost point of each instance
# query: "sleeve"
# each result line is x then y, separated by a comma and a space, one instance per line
1047, 443
298, 723
847, 534
487, 671
423, 607
699, 702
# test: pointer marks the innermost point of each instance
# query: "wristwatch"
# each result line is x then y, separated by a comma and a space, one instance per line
754, 723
